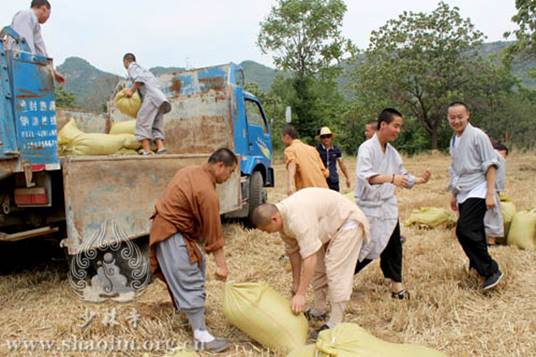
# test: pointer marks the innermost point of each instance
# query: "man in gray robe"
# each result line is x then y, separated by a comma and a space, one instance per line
150, 118
472, 183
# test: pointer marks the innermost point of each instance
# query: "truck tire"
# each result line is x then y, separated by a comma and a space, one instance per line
257, 193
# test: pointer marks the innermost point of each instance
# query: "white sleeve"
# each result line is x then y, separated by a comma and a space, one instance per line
39, 43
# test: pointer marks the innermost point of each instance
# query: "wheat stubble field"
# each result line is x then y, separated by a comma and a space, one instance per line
446, 312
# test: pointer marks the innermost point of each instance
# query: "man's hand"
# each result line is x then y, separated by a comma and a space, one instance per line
348, 184
298, 303
294, 288
426, 176
129, 92
400, 181
490, 201
222, 273
453, 204
59, 77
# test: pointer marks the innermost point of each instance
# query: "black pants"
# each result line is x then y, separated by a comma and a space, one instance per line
390, 259
333, 185
472, 236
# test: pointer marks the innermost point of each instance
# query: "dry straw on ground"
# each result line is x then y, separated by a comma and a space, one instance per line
447, 310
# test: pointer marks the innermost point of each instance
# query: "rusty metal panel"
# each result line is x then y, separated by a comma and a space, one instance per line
124, 190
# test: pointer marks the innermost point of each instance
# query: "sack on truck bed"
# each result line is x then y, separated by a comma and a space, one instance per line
72, 141
523, 230
351, 340
431, 217
264, 315
123, 127
128, 106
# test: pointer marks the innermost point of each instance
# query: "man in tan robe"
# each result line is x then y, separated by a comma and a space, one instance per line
304, 165
188, 214
323, 232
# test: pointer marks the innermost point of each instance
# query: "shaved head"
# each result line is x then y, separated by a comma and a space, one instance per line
262, 215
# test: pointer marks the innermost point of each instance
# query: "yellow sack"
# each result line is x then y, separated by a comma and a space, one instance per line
264, 315
73, 141
123, 127
351, 340
508, 210
128, 106
431, 217
523, 230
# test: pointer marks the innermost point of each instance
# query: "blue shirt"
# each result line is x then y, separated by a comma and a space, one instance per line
329, 158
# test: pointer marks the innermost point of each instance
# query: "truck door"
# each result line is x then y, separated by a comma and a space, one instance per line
8, 144
259, 142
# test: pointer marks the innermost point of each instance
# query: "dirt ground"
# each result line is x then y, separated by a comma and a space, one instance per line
447, 310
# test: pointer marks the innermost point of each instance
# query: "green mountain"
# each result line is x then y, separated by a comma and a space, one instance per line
93, 87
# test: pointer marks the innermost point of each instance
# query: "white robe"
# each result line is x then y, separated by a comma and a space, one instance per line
378, 202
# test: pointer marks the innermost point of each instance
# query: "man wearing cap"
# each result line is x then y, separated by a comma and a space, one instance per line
330, 155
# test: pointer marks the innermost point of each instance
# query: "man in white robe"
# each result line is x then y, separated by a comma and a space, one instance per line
379, 172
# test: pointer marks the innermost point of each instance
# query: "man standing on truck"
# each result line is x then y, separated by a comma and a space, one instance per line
27, 23
187, 214
304, 166
150, 118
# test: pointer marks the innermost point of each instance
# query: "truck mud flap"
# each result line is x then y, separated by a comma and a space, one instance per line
121, 192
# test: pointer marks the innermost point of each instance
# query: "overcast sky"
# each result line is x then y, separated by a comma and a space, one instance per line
204, 32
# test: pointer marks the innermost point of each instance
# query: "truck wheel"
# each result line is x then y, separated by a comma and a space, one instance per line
257, 193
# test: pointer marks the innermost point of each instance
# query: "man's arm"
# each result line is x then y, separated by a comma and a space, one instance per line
295, 263
221, 266
490, 181
129, 92
344, 171
291, 170
308, 268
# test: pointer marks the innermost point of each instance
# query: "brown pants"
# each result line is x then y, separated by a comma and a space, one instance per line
334, 273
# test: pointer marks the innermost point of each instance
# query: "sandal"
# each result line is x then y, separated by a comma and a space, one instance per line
313, 317
401, 295
315, 333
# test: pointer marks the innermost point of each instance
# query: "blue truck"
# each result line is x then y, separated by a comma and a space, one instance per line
87, 201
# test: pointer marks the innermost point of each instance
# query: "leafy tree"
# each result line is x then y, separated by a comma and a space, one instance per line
419, 62
65, 99
305, 39
525, 18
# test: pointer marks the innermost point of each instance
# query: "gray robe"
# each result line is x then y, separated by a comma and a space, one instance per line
26, 25
378, 202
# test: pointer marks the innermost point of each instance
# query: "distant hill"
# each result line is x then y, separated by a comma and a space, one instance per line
93, 87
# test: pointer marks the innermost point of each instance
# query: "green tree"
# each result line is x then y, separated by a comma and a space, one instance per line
305, 39
419, 62
525, 18
65, 99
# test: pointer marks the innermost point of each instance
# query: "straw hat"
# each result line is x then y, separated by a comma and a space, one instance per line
325, 131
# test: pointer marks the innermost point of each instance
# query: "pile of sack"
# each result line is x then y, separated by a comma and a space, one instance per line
265, 316
519, 227
72, 141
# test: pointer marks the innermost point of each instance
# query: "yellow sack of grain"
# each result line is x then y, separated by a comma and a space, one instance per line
431, 217
73, 141
123, 127
351, 340
128, 106
523, 230
264, 315
508, 210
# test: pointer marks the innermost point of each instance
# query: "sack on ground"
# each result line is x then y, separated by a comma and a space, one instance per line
508, 210
123, 127
264, 315
351, 340
128, 106
523, 230
431, 217
72, 141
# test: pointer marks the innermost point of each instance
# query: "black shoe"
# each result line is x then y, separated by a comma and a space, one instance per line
314, 334
312, 317
401, 295
492, 280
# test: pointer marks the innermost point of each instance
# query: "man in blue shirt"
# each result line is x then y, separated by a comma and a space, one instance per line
330, 155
